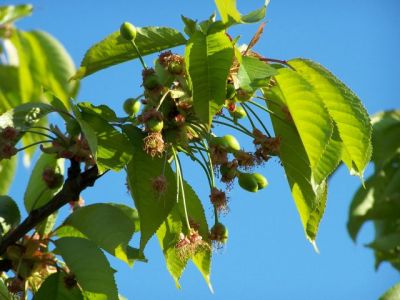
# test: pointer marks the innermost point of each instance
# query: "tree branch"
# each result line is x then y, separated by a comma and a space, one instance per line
75, 183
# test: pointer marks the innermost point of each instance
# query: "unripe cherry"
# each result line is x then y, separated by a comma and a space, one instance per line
128, 31
248, 182
261, 180
131, 106
230, 143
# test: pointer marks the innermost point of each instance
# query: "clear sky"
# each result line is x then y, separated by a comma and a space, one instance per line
267, 255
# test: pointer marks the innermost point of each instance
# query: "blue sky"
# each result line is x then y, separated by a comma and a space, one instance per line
267, 255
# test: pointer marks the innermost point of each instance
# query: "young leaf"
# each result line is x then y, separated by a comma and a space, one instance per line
115, 50
153, 208
40, 187
102, 110
254, 73
115, 236
308, 113
309, 199
55, 288
346, 110
9, 214
208, 59
90, 266
10, 13
230, 14
7, 170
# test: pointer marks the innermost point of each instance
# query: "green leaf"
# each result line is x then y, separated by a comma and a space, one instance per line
115, 50
208, 59
392, 294
46, 226
9, 214
54, 288
114, 237
379, 200
4, 293
309, 199
7, 171
113, 150
10, 13
385, 133
50, 64
25, 115
90, 266
101, 110
230, 14
202, 259
254, 73
309, 116
38, 192
345, 109
168, 236
153, 208
170, 229
9, 88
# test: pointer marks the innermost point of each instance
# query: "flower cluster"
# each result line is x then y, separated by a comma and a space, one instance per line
8, 138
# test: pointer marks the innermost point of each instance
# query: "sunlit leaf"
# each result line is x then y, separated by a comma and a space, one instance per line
114, 49
11, 13
307, 113
392, 294
91, 268
345, 109
309, 199
230, 14
208, 59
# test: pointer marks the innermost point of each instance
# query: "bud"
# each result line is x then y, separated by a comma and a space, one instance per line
128, 31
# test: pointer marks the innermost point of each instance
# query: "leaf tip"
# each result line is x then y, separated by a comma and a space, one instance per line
314, 244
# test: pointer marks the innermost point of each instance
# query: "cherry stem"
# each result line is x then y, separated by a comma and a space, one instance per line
180, 185
34, 144
257, 117
234, 127
40, 133
248, 115
139, 55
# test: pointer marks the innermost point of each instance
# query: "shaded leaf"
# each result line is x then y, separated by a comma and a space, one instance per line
101, 110
114, 237
9, 214
254, 73
386, 130
153, 208
4, 293
208, 59
113, 150
54, 287
38, 193
114, 49
91, 268
346, 110
7, 171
